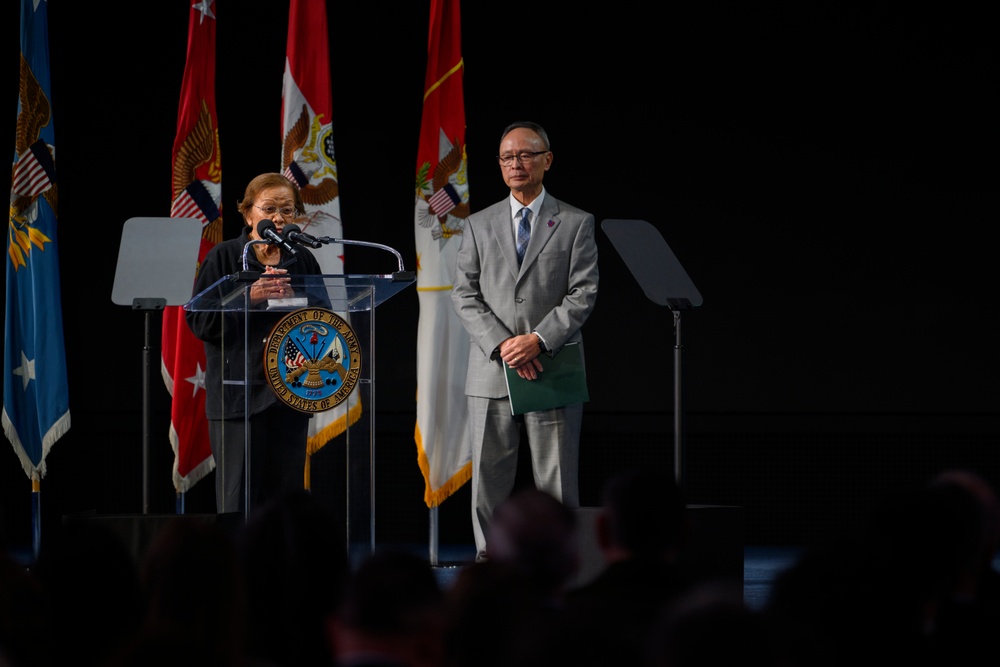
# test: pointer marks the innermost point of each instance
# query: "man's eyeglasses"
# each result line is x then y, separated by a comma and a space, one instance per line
286, 211
507, 160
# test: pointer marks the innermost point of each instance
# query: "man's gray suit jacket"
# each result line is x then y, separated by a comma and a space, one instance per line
553, 291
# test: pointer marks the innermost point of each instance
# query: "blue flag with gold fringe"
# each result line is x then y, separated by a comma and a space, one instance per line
35, 392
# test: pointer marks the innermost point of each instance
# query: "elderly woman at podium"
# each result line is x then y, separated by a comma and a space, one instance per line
277, 432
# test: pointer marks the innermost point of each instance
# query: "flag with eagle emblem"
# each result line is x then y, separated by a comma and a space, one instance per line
196, 193
442, 205
308, 160
35, 393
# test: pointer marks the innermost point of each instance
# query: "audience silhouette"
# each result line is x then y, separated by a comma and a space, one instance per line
294, 556
537, 534
494, 611
511, 601
641, 531
709, 624
910, 585
194, 597
963, 617
392, 614
90, 581
913, 583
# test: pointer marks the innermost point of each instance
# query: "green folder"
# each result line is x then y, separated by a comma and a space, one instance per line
563, 381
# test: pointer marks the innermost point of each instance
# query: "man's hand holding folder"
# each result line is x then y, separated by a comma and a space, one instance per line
563, 381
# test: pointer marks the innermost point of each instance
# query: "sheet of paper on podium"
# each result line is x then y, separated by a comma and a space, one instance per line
562, 381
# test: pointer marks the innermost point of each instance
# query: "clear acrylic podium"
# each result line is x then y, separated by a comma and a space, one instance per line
352, 297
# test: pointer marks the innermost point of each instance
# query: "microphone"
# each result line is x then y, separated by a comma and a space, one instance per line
267, 231
295, 234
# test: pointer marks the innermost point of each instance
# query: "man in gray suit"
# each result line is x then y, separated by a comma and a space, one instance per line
518, 310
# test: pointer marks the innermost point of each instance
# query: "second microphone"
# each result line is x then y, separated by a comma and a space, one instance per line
295, 234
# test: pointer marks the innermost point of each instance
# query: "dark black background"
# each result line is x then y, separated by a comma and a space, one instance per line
826, 175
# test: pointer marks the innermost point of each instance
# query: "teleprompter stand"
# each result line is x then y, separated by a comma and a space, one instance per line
665, 282
157, 260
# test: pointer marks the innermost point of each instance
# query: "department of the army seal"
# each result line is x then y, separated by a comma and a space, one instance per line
312, 359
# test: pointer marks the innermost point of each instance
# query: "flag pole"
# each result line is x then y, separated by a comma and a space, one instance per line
36, 517
433, 553
147, 360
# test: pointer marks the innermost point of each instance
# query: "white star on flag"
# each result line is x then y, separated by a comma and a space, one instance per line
26, 370
205, 7
198, 379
